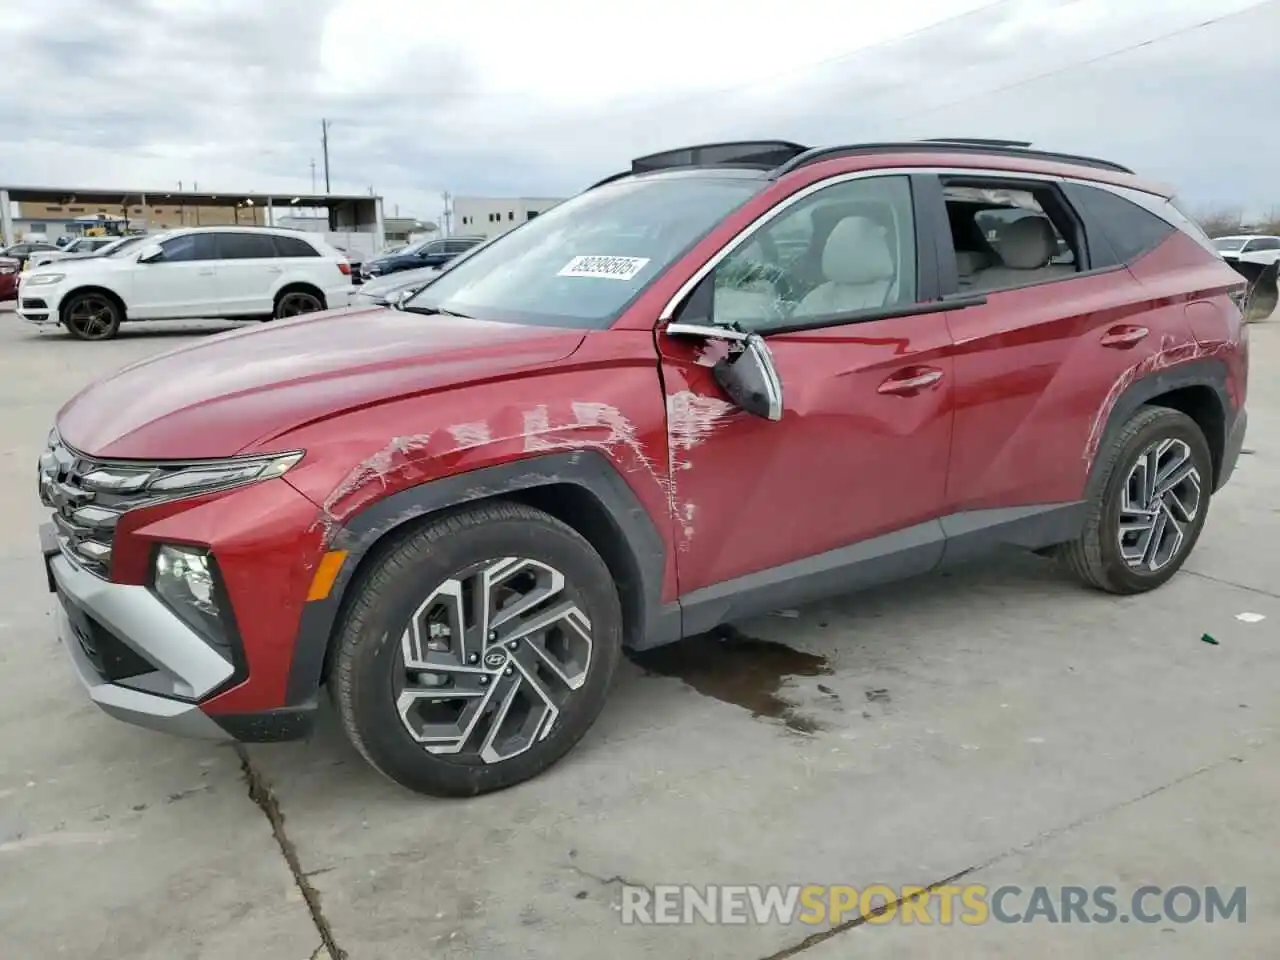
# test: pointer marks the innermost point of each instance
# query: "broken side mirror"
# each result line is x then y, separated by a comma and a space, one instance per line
1264, 293
747, 374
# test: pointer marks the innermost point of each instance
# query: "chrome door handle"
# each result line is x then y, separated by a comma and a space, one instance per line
206, 273
275, 269
1124, 336
912, 384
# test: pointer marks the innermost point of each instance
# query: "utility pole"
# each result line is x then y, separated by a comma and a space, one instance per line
313, 175
324, 143
447, 213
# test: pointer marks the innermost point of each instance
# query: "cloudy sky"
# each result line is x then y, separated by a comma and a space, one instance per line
510, 97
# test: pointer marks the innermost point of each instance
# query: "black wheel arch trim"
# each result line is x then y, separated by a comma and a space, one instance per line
588, 470
1208, 372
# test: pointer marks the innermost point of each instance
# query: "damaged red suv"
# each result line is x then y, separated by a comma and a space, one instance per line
733, 378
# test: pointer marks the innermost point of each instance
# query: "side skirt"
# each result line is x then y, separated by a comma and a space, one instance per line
905, 553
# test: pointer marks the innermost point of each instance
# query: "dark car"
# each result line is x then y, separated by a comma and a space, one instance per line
9, 270
21, 251
457, 513
428, 253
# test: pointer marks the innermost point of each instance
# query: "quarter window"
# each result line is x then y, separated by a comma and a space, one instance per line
1131, 230
294, 247
846, 250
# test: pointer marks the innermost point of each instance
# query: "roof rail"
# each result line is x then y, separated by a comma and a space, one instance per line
765, 154
982, 141
1003, 148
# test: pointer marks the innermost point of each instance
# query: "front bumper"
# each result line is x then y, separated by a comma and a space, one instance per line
39, 305
141, 664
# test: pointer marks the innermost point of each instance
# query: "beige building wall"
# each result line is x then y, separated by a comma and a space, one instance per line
158, 216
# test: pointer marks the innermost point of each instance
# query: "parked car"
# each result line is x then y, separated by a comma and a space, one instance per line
8, 278
593, 433
392, 289
355, 260
428, 253
1250, 254
21, 251
206, 272
81, 247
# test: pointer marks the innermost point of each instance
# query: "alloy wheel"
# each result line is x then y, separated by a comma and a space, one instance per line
91, 318
1159, 503
296, 304
491, 659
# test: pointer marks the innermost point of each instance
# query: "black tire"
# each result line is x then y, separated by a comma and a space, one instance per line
91, 316
1095, 558
296, 302
367, 663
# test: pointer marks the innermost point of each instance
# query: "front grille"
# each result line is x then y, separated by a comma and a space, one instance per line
84, 512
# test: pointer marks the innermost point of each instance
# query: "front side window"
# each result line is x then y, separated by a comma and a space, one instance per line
582, 262
847, 249
188, 246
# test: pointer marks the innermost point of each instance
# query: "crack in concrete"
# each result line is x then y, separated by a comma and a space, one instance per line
1232, 583
824, 935
603, 881
261, 794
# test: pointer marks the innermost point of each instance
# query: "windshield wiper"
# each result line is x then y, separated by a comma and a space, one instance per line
434, 311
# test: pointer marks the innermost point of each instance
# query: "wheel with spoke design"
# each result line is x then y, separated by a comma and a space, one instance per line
478, 651
294, 303
91, 316
1153, 487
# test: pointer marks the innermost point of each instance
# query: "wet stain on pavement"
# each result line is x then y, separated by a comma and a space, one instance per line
735, 668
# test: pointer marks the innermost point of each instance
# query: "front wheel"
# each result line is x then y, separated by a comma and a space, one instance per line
478, 651
91, 316
1154, 485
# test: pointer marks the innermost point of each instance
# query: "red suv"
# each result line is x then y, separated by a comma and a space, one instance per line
734, 378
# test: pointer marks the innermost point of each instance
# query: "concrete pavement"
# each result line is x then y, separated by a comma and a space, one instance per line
996, 722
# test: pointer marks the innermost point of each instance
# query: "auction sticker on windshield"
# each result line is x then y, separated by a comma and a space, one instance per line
614, 268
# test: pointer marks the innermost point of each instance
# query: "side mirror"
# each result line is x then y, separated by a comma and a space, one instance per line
151, 253
1263, 295
398, 298
747, 375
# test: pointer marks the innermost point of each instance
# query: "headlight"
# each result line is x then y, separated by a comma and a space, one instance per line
185, 579
44, 279
184, 479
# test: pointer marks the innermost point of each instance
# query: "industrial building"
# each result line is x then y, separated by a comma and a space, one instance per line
492, 216
353, 223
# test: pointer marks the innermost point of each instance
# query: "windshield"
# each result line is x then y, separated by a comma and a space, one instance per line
580, 263
120, 246
1229, 243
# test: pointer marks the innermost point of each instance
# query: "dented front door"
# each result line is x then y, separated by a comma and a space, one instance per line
861, 450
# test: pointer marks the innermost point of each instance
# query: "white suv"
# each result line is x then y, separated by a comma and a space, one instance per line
204, 272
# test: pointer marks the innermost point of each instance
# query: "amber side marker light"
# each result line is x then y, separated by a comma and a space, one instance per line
326, 574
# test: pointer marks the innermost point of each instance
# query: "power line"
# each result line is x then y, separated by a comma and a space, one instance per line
1079, 64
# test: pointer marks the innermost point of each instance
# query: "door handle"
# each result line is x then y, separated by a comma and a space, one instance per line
1124, 336
275, 269
207, 273
910, 381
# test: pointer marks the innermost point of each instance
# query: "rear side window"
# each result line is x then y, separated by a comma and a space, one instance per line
1263, 243
245, 246
294, 247
1130, 230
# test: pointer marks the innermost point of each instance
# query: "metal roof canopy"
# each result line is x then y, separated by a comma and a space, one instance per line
346, 211
62, 196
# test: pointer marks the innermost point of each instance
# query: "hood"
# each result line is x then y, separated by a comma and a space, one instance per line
237, 391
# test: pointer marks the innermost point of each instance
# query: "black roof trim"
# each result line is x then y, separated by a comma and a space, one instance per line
765, 154
1000, 148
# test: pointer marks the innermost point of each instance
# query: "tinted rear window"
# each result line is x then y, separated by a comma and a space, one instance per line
294, 247
1131, 230
245, 246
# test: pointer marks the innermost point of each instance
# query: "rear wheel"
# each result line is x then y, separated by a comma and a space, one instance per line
1151, 502
294, 303
478, 651
91, 316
